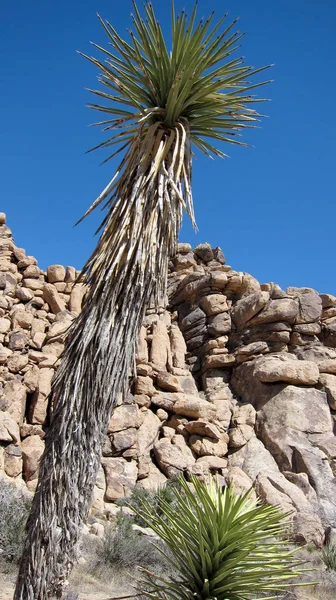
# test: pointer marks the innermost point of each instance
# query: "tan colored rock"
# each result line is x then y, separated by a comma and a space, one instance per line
310, 308
55, 273
38, 340
168, 382
178, 346
13, 461
25, 261
240, 482
16, 362
123, 417
142, 400
240, 435
244, 415
148, 433
52, 297
32, 450
205, 446
308, 328
248, 307
289, 416
328, 300
327, 365
172, 459
32, 271
5, 325
219, 324
39, 401
203, 428
144, 386
271, 369
160, 354
53, 348
33, 284
328, 313
121, 476
223, 414
269, 494
144, 370
27, 430
328, 383
24, 294
70, 274
218, 280
13, 399
307, 528
18, 340
5, 353
22, 318
9, 429
219, 361
60, 325
154, 480
183, 262
76, 298
212, 463
165, 400
214, 304
38, 326
142, 348
253, 349
98, 507
123, 440
204, 252
285, 309
194, 407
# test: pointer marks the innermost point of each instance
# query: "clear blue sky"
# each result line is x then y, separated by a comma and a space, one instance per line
271, 208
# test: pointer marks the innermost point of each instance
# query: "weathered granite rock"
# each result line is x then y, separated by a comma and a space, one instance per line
270, 369
328, 383
123, 417
214, 304
160, 353
9, 429
39, 402
148, 433
173, 459
248, 307
286, 419
32, 449
208, 446
121, 476
285, 309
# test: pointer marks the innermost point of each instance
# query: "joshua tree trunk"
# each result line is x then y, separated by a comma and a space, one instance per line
138, 238
159, 102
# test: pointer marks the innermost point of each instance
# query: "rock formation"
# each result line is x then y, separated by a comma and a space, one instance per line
235, 378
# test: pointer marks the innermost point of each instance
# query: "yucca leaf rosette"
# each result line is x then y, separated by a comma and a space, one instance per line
163, 104
220, 545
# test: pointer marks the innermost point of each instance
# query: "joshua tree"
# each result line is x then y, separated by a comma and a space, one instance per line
160, 105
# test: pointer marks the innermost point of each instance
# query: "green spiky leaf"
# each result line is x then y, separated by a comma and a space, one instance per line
222, 546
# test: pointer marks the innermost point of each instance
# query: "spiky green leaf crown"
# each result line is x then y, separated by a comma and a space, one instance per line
196, 84
161, 104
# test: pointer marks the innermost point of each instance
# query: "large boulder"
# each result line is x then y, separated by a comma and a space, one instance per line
283, 367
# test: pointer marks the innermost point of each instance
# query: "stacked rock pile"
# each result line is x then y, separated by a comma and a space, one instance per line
234, 378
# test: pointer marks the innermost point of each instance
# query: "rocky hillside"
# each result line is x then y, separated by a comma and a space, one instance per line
235, 378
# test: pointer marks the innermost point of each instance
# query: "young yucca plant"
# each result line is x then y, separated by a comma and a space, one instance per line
221, 546
160, 103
